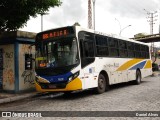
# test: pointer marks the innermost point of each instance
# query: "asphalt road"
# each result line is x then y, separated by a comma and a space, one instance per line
121, 97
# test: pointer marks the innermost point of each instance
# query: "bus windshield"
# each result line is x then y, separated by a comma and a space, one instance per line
57, 53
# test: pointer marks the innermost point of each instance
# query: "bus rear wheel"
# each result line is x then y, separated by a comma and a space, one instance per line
101, 84
138, 77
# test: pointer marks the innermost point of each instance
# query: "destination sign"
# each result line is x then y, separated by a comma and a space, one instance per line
57, 33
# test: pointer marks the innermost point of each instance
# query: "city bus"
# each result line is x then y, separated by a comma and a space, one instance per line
73, 59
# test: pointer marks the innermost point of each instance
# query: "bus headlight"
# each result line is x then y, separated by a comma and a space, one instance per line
73, 76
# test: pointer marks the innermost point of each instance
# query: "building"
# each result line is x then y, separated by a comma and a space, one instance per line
16, 67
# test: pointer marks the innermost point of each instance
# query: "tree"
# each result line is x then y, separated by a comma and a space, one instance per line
76, 24
14, 14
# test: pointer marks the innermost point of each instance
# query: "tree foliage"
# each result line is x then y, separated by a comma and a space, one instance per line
76, 24
14, 14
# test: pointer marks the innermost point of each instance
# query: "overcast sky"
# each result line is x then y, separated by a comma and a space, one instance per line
126, 12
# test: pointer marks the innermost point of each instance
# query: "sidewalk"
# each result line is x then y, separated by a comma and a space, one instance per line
10, 97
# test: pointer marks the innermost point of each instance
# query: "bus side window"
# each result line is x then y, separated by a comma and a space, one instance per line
89, 49
81, 48
86, 50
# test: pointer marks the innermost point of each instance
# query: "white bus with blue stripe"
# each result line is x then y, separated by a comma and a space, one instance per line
72, 58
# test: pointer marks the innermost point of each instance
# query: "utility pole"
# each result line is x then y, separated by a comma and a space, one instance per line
151, 16
42, 14
91, 4
94, 14
89, 14
41, 22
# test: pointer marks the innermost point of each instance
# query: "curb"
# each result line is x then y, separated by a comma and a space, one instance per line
16, 98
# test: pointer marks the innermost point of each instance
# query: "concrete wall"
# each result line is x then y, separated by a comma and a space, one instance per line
8, 67
14, 46
26, 77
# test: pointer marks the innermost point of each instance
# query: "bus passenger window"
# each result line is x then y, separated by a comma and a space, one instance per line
88, 49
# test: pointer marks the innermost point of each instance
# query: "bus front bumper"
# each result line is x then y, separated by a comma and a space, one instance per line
75, 84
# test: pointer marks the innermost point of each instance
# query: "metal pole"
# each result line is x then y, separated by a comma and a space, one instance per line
41, 22
42, 14
123, 29
119, 24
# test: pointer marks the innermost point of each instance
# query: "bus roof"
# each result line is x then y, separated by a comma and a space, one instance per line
79, 28
109, 35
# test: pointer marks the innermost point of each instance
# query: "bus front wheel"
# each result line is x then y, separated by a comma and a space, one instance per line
101, 84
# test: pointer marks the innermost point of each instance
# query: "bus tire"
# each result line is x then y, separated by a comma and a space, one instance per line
138, 78
101, 84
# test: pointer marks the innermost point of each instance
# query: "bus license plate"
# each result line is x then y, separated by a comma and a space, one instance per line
52, 86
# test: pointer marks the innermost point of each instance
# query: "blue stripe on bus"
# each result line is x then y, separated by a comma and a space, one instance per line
58, 78
139, 65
